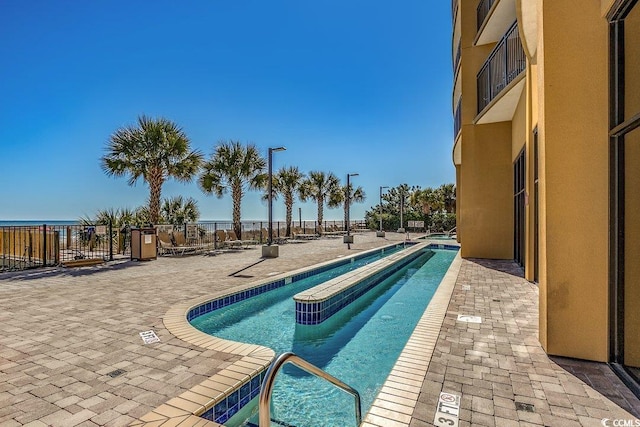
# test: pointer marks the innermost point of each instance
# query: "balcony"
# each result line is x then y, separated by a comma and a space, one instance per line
504, 65
484, 7
456, 60
457, 119
493, 18
454, 9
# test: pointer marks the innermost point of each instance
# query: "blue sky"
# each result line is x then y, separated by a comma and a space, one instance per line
348, 86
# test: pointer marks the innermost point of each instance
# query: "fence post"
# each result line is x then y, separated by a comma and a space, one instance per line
44, 244
215, 235
110, 241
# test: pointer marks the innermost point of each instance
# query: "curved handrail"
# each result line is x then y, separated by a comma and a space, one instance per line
267, 385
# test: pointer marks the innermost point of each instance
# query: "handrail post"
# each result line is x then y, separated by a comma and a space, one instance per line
264, 408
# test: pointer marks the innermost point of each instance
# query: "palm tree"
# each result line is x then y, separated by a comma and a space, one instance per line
322, 188
154, 150
177, 211
427, 200
448, 195
356, 195
288, 182
234, 167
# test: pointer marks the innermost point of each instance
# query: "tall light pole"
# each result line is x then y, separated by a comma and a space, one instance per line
381, 233
270, 251
348, 239
401, 229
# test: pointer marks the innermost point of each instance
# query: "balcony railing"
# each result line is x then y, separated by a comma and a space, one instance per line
504, 64
456, 60
457, 119
454, 9
483, 10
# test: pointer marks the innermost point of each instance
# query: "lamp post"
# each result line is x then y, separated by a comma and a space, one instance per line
401, 229
270, 250
380, 233
348, 239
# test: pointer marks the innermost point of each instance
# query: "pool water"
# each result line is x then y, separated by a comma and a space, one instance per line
358, 345
440, 236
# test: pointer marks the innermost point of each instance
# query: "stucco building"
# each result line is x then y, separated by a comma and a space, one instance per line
546, 104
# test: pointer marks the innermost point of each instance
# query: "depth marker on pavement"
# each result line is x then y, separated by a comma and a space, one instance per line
447, 410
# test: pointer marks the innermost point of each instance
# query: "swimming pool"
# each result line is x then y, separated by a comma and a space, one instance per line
359, 345
439, 236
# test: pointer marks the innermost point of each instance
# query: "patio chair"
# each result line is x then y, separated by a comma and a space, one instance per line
182, 246
231, 237
164, 242
225, 243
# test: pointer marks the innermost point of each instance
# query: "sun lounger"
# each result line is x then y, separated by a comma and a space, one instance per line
225, 243
231, 237
182, 247
165, 245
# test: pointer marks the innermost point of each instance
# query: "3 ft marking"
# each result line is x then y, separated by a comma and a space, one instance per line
447, 410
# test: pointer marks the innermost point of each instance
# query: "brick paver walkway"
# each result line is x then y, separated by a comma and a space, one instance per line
498, 367
63, 331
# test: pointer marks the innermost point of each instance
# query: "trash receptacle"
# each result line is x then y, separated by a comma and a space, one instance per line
143, 244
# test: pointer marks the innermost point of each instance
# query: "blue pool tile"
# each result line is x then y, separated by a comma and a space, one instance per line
233, 399
255, 383
220, 409
222, 418
245, 390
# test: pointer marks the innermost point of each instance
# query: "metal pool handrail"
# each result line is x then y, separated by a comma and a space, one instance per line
288, 357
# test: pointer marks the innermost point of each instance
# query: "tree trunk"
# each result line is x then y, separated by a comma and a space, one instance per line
320, 212
155, 189
288, 201
236, 195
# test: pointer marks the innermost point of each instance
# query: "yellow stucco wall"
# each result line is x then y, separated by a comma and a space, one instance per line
486, 192
573, 124
518, 126
632, 193
632, 250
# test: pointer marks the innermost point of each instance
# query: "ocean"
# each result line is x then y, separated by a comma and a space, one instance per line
37, 222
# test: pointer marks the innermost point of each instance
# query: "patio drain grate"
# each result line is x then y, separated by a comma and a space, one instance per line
526, 407
116, 373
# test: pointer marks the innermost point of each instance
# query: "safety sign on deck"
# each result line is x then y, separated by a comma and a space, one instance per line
447, 411
149, 337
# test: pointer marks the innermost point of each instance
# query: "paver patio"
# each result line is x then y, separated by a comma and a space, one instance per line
63, 331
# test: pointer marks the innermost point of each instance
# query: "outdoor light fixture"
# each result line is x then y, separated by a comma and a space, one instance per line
348, 239
381, 233
271, 252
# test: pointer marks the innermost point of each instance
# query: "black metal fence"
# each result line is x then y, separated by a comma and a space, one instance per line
483, 11
457, 119
504, 64
31, 246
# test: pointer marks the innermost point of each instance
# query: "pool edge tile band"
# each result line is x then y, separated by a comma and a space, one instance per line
284, 279
319, 303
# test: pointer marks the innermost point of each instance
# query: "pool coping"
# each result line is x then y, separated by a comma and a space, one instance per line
392, 407
187, 408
